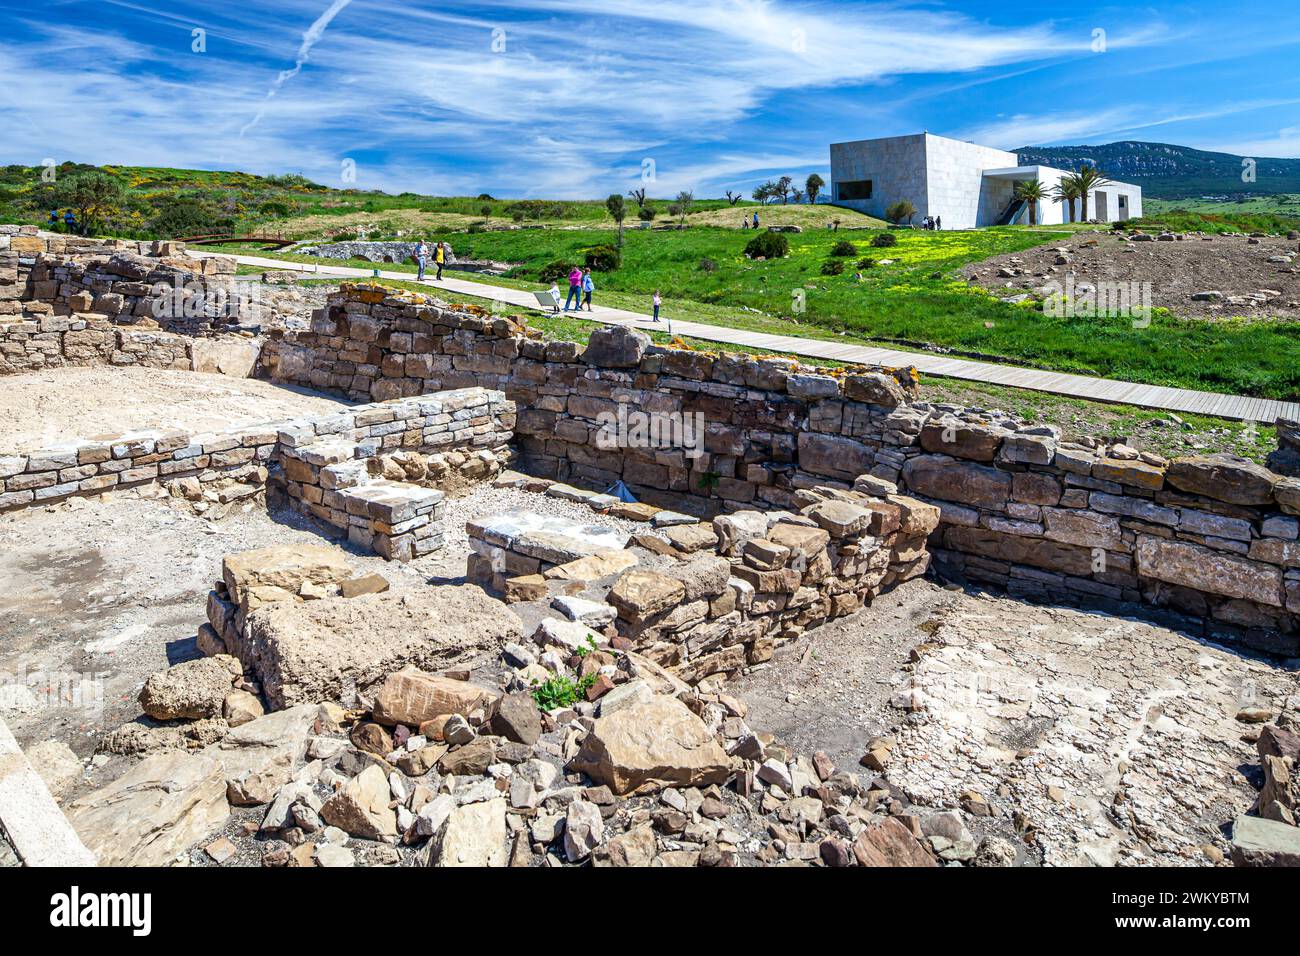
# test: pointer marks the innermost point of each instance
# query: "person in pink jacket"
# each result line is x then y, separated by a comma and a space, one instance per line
575, 289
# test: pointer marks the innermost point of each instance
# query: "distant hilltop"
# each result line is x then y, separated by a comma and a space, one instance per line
1165, 171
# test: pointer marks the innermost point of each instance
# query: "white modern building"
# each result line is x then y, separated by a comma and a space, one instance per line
963, 184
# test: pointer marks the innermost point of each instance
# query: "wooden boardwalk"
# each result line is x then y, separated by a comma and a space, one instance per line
1240, 407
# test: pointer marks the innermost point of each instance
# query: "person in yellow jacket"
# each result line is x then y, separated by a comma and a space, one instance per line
439, 257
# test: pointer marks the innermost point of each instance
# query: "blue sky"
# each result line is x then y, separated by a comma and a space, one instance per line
570, 98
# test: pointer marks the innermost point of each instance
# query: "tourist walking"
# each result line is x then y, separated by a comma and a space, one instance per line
439, 257
575, 289
938, 222
755, 220
588, 287
421, 257
657, 302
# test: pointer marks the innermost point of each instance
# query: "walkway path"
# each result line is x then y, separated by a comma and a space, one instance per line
1239, 407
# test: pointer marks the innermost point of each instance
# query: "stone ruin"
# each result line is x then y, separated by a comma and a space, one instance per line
570, 704
1211, 538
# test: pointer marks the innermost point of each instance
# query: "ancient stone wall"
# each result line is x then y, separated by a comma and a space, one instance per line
1214, 537
705, 597
34, 342
1080, 522
71, 301
91, 466
761, 428
241, 461
340, 477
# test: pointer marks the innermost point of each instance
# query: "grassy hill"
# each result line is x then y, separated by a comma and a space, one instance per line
156, 202
1166, 171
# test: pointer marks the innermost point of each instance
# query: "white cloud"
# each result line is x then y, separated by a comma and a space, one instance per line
417, 96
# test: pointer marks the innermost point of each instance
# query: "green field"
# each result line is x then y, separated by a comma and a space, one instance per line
916, 301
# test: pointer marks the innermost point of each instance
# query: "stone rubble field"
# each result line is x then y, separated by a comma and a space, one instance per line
1192, 275
934, 727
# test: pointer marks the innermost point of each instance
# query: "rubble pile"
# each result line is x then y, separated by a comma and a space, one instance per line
440, 769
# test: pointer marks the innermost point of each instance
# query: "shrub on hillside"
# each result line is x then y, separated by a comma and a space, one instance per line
185, 217
708, 265
768, 245
556, 271
844, 248
832, 267
885, 239
866, 262
603, 258
900, 210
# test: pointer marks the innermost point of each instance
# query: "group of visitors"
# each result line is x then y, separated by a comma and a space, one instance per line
422, 257
69, 221
745, 223
581, 286
932, 223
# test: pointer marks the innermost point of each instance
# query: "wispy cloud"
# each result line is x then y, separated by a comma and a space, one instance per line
309, 40
525, 97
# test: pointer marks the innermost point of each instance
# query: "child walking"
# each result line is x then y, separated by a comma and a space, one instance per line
657, 302
588, 287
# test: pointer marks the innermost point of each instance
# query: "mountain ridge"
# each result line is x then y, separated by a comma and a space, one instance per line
1169, 171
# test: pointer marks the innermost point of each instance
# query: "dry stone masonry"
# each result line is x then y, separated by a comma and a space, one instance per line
1213, 537
768, 426
332, 468
1087, 522
704, 598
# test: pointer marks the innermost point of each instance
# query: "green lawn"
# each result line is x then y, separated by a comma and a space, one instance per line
915, 301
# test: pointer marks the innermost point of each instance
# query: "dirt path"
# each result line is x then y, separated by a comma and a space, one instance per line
40, 409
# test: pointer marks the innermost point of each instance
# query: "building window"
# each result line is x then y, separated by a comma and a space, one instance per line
855, 189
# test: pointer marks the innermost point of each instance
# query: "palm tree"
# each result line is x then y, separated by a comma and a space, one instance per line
1088, 179
1067, 191
1032, 192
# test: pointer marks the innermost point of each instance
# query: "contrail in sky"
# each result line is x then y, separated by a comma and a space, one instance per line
314, 33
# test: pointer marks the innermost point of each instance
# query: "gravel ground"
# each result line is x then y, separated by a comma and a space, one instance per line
39, 409
1114, 739
97, 594
1233, 265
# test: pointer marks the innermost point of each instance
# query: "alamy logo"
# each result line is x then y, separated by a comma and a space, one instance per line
633, 428
75, 909
1086, 300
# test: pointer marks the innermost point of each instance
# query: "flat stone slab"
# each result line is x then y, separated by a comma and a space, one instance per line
391, 501
546, 537
36, 826
337, 648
